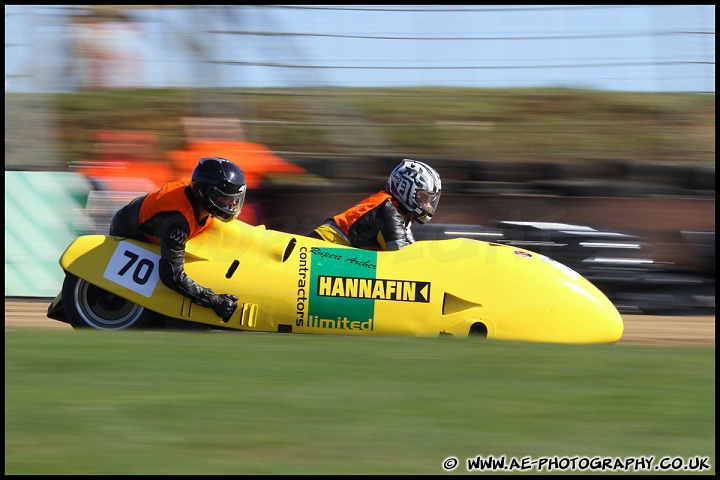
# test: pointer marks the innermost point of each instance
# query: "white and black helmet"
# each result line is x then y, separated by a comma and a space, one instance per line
416, 186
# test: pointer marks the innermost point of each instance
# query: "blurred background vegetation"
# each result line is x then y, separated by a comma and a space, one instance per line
545, 125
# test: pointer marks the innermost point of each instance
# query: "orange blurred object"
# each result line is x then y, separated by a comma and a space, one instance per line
126, 161
132, 161
255, 159
225, 137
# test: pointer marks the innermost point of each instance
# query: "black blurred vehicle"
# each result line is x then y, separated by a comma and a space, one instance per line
620, 264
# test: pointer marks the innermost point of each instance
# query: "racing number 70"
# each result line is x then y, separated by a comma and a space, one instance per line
143, 269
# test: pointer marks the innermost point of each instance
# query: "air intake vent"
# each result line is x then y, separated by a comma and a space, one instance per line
453, 304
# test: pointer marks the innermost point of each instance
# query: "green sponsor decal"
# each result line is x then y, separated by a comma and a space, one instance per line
340, 312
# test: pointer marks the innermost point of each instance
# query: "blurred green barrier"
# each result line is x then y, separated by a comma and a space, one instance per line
41, 211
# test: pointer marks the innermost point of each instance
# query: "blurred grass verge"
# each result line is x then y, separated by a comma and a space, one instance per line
81, 402
455, 123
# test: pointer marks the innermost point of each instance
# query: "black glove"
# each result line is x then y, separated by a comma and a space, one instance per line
224, 305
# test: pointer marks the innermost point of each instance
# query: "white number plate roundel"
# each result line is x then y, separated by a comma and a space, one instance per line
135, 268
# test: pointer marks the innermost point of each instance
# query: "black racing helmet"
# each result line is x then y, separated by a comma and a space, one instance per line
219, 185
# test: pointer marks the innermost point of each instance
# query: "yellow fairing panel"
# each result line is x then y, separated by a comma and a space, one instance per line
129, 268
517, 294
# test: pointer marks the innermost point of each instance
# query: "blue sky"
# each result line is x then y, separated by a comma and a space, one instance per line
606, 47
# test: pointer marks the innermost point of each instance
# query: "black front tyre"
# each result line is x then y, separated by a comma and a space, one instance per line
88, 306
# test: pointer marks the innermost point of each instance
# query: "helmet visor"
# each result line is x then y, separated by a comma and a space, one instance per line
229, 204
427, 201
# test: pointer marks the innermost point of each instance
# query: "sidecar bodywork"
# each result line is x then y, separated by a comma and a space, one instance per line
295, 284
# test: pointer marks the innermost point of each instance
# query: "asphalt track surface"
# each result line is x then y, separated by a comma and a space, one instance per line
639, 329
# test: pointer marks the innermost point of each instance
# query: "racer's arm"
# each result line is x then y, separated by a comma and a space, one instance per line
395, 231
174, 231
382, 228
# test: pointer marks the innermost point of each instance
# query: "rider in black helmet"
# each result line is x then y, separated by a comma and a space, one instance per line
219, 186
180, 210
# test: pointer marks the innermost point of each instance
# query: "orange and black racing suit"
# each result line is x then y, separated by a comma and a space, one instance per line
375, 223
167, 216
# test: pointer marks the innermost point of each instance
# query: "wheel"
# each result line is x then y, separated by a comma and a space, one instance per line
88, 306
